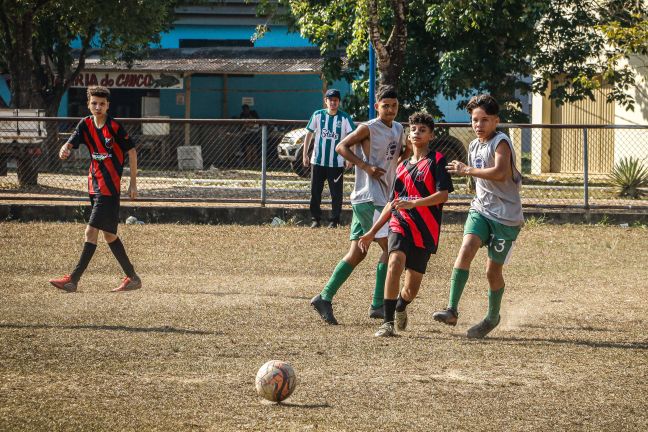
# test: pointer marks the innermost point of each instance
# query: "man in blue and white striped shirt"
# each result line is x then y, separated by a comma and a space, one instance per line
328, 126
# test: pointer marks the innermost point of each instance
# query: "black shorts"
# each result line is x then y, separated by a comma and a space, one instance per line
105, 213
415, 258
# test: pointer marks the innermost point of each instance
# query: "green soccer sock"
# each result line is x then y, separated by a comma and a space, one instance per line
494, 302
457, 283
339, 276
379, 289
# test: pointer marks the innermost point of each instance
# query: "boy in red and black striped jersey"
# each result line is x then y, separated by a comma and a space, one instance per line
421, 188
108, 143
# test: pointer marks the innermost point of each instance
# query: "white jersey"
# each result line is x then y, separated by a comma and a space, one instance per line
498, 201
385, 146
328, 131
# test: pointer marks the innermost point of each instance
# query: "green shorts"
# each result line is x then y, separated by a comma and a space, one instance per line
498, 237
364, 216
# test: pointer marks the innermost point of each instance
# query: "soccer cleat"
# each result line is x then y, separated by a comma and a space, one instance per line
447, 316
480, 330
324, 308
129, 284
315, 224
386, 330
377, 313
332, 224
65, 283
401, 320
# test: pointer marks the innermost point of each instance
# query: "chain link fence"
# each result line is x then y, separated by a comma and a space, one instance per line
259, 161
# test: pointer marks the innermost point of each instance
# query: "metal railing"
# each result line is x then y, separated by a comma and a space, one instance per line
259, 161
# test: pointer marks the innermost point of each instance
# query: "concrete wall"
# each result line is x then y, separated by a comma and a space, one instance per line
634, 143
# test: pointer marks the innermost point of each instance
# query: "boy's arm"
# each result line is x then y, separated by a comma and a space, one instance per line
306, 150
72, 143
354, 138
132, 163
500, 172
366, 239
407, 151
436, 198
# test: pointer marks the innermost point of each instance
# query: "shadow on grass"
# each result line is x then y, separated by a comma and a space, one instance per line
234, 293
308, 406
163, 329
550, 341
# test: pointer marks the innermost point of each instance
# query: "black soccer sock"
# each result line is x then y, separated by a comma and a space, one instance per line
390, 309
118, 250
84, 260
401, 304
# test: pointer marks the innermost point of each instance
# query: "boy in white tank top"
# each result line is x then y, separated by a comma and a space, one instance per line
495, 217
375, 148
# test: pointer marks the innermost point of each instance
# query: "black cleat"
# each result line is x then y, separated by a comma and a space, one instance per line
377, 313
480, 330
333, 224
447, 316
324, 308
315, 224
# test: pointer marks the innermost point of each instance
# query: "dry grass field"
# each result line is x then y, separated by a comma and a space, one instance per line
219, 301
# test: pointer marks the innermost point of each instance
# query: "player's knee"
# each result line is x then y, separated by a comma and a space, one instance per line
109, 237
91, 234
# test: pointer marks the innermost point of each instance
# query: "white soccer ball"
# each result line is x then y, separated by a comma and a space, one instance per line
275, 381
131, 220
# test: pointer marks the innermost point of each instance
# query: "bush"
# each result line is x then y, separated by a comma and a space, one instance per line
629, 176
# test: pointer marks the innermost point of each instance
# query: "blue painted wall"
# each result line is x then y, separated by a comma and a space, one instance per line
292, 97
5, 93
278, 36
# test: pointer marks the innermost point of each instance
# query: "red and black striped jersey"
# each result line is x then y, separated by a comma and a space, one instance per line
108, 147
415, 181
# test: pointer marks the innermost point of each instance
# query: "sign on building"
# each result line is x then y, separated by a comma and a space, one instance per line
134, 80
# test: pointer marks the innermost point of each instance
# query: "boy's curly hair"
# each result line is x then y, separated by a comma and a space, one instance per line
485, 102
423, 118
98, 91
386, 92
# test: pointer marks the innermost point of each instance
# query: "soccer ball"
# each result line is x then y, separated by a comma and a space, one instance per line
275, 381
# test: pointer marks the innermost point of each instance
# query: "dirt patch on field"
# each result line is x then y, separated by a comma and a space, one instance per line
219, 301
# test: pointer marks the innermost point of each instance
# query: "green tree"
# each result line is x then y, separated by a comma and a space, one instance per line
457, 47
36, 38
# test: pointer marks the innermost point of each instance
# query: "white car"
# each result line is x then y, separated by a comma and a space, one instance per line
290, 149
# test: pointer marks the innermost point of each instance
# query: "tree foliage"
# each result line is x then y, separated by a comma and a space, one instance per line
36, 39
508, 48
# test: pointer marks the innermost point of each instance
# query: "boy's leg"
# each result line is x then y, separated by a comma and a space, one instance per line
495, 293
131, 281
89, 248
392, 282
476, 234
377, 300
335, 180
318, 175
361, 223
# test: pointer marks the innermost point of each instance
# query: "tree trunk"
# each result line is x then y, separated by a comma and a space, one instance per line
390, 55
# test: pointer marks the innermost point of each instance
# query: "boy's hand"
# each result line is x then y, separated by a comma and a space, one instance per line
374, 171
403, 204
458, 168
348, 165
305, 160
64, 152
365, 241
132, 190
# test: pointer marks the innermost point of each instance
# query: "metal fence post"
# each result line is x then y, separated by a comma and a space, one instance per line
264, 162
585, 171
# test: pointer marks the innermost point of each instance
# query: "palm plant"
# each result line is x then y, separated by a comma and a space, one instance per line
629, 176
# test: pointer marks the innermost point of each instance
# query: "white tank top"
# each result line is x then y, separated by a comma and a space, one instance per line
385, 145
499, 201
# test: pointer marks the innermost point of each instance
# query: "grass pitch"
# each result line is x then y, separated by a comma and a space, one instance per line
219, 301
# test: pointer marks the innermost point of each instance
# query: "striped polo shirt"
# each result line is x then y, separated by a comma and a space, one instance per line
328, 131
